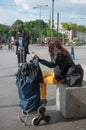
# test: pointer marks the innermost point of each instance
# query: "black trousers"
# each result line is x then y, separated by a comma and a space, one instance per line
21, 56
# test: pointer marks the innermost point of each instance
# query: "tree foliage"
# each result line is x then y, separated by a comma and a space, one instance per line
81, 28
16, 25
69, 26
37, 28
32, 28
4, 32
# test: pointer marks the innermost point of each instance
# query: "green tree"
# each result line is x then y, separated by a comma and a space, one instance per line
81, 28
69, 26
18, 24
4, 29
33, 28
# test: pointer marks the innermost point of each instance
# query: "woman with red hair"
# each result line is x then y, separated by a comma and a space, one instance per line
60, 60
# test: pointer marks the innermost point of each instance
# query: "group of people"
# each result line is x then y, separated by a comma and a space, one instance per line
61, 60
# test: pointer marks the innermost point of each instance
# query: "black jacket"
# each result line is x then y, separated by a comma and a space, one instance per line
59, 60
25, 44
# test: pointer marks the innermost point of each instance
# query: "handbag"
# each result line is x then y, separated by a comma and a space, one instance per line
74, 76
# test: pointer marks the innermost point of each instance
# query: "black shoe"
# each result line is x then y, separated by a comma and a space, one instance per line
43, 102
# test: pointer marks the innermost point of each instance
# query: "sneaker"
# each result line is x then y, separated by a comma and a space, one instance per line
44, 101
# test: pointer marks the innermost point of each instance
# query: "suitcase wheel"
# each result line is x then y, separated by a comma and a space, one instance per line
41, 110
47, 119
35, 121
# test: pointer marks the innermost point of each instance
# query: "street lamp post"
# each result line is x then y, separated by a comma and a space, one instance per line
40, 6
57, 23
52, 18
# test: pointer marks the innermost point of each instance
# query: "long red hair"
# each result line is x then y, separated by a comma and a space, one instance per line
55, 46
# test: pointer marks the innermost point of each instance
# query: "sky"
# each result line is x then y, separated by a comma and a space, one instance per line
69, 11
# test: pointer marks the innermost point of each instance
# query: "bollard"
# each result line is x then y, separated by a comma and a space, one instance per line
72, 53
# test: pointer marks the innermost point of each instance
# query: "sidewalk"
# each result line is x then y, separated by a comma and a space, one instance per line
9, 97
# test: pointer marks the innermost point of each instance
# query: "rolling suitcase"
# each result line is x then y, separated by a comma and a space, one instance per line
28, 87
28, 81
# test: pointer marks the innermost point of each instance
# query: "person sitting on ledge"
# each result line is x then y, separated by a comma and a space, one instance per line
60, 60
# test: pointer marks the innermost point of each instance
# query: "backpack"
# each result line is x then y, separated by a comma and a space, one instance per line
74, 76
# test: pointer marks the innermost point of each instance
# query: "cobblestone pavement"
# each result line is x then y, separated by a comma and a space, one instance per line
9, 97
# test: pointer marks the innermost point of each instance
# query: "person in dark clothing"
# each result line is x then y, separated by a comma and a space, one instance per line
22, 46
22, 43
60, 60
60, 64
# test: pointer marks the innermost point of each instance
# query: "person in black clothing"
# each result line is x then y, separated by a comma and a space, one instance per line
22, 43
60, 64
60, 60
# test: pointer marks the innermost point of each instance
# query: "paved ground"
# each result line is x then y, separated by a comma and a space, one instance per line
9, 97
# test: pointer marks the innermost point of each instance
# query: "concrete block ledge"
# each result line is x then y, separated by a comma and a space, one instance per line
71, 101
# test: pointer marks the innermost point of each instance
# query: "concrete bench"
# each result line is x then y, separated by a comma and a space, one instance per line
71, 101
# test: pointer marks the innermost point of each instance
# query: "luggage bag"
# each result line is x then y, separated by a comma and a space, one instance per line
28, 86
